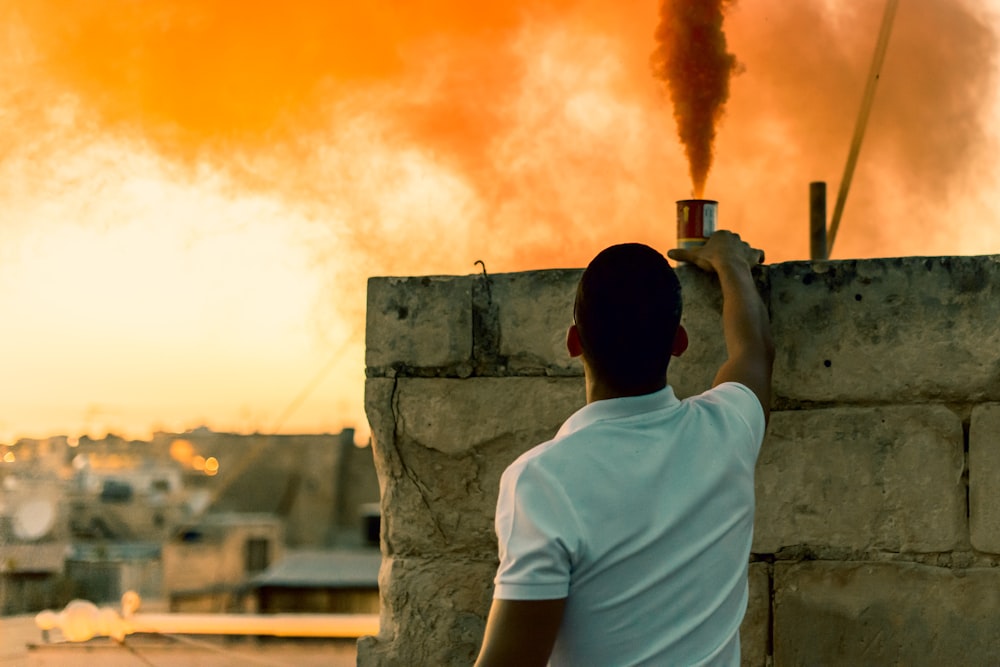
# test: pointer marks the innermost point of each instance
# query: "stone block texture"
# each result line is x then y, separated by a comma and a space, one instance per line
534, 310
984, 478
432, 613
755, 633
441, 446
424, 322
887, 478
828, 613
887, 330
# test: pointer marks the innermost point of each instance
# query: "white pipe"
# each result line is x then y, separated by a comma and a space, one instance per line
277, 625
82, 620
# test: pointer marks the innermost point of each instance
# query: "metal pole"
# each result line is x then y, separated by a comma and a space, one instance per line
859, 128
817, 220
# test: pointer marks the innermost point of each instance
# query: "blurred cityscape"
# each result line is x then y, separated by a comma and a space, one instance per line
193, 522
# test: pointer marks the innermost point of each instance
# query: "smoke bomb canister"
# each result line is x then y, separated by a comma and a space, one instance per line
696, 220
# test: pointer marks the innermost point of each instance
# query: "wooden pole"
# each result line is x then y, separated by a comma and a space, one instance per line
859, 128
817, 220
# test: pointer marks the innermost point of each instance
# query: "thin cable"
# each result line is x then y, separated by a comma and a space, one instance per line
311, 386
136, 653
859, 129
233, 474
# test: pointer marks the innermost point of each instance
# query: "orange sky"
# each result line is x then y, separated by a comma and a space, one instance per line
192, 193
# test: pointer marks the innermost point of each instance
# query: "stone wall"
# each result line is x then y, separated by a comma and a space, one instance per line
878, 522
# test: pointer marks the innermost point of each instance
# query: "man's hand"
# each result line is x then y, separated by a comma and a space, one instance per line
723, 248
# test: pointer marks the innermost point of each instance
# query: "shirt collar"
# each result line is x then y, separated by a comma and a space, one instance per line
617, 408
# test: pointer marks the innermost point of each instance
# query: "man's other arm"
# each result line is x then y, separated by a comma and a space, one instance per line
745, 322
520, 633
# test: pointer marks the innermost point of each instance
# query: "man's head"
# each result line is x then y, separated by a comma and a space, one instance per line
626, 318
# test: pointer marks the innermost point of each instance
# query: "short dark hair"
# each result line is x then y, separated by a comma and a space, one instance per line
627, 310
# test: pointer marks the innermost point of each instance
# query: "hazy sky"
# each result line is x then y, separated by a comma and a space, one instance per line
193, 193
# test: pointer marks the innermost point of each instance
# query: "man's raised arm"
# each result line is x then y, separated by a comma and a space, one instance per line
745, 321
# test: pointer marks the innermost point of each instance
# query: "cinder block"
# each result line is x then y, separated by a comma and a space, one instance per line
534, 310
887, 330
984, 478
829, 613
440, 461
419, 322
755, 632
883, 478
433, 612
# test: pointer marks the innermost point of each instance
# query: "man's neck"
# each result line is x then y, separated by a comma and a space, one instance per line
599, 391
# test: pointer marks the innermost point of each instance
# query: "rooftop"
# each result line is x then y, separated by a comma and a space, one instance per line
326, 568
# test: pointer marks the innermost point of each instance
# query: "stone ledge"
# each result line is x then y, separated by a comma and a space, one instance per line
515, 324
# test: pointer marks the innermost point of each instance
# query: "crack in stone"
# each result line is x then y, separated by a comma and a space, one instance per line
407, 471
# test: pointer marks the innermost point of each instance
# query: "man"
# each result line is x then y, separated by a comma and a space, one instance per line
625, 539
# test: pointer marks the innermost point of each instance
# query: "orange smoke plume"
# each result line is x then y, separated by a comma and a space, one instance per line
195, 75
526, 133
692, 59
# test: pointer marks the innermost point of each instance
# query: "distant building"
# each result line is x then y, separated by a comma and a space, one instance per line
333, 581
190, 518
31, 577
102, 573
207, 564
33, 545
319, 484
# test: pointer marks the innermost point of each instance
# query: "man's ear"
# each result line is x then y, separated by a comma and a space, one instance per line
680, 341
573, 345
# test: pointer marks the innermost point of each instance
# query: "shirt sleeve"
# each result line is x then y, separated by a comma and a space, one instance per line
536, 534
747, 407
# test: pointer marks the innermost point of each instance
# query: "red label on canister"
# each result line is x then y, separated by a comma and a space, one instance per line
696, 220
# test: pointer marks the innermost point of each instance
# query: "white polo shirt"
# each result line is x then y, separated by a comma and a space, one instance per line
640, 513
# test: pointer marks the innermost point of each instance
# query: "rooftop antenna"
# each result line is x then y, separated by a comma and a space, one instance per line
859, 128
